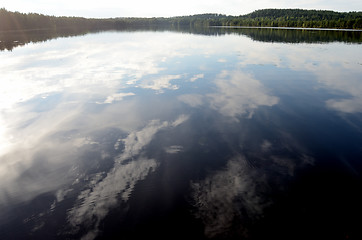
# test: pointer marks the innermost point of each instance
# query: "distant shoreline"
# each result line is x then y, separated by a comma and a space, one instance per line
292, 28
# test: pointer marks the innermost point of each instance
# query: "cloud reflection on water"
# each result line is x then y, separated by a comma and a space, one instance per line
64, 75
160, 83
56, 97
117, 97
220, 197
335, 67
230, 200
95, 202
238, 94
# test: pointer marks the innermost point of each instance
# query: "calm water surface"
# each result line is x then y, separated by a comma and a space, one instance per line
131, 135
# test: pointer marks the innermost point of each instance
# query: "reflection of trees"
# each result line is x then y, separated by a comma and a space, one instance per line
10, 40
298, 35
280, 34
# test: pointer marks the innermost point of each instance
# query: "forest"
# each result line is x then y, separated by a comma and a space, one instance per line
10, 21
298, 18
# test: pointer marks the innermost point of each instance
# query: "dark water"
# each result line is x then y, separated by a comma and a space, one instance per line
197, 134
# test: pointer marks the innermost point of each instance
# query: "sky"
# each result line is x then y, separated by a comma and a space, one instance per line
167, 8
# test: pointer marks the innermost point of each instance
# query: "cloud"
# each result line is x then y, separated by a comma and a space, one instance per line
95, 202
196, 77
135, 141
194, 100
42, 70
160, 83
266, 146
327, 69
345, 79
60, 194
117, 97
353, 105
28, 172
180, 120
45, 94
239, 94
237, 195
79, 142
78, 74
221, 197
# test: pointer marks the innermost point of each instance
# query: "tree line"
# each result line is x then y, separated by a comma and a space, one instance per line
299, 18
261, 18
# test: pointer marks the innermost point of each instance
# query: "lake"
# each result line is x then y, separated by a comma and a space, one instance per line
191, 134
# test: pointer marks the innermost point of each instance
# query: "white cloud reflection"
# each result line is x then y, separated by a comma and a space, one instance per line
336, 67
196, 77
136, 140
117, 97
50, 67
239, 94
346, 105
79, 74
47, 90
194, 100
95, 202
29, 172
238, 194
221, 196
160, 83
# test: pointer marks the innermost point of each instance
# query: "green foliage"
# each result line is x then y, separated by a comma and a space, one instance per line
300, 18
279, 18
10, 21
261, 18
